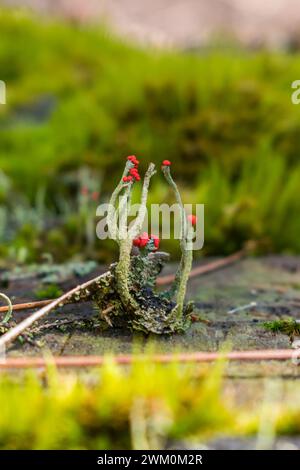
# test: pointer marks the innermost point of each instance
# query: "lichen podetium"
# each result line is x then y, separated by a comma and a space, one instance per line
185, 266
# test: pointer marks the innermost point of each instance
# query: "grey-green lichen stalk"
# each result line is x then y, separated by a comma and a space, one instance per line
186, 244
120, 232
8, 315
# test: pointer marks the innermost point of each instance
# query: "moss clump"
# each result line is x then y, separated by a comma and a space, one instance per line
287, 326
140, 407
48, 292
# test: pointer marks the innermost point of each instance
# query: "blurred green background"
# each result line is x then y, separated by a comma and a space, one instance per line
79, 100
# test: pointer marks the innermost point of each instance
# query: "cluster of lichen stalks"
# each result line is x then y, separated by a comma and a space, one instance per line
126, 296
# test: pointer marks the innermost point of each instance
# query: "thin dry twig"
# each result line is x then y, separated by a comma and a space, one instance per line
207, 268
196, 357
27, 305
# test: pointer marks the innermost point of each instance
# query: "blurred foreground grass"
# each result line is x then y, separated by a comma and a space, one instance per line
80, 100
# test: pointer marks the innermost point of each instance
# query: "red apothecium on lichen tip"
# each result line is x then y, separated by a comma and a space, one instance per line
144, 238
127, 179
156, 240
134, 173
136, 242
133, 160
192, 219
166, 163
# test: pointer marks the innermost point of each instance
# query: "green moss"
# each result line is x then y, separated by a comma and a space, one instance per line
156, 403
51, 291
159, 405
288, 326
